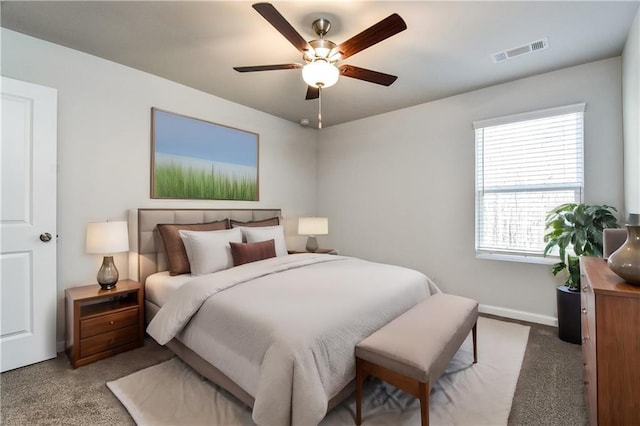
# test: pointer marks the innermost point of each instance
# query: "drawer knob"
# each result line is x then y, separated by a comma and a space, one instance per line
584, 311
111, 322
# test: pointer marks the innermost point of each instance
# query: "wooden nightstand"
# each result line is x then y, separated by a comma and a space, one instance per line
320, 251
101, 323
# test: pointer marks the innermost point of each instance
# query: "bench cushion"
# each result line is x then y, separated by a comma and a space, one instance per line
421, 342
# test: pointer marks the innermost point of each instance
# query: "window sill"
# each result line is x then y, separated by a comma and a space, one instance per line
522, 258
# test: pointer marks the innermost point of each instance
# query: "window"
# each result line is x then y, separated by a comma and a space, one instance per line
526, 164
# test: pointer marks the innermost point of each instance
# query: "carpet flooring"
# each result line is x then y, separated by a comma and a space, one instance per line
550, 388
467, 394
548, 392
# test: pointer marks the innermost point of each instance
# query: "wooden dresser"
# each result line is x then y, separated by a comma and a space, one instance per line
610, 344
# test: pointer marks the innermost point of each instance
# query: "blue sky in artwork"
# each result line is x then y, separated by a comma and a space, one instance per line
189, 137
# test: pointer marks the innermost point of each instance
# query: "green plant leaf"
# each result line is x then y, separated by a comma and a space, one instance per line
576, 229
573, 267
556, 268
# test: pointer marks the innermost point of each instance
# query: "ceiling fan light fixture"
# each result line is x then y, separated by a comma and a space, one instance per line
322, 52
334, 56
320, 73
322, 48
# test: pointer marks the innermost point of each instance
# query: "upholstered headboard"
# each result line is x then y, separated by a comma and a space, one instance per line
146, 251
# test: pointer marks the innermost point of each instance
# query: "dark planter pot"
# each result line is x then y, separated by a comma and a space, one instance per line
568, 315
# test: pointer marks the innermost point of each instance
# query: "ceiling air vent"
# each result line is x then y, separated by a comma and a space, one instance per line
541, 44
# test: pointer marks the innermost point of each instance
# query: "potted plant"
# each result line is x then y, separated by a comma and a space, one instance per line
575, 230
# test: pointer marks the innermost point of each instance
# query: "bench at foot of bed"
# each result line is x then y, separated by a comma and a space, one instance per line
413, 350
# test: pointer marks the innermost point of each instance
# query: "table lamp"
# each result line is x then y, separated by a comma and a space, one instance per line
107, 238
313, 226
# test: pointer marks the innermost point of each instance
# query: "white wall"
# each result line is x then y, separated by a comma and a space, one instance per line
104, 147
399, 187
631, 116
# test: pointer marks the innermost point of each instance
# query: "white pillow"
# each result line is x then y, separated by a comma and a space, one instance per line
255, 234
209, 251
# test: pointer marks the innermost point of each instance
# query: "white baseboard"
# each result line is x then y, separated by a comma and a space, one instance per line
518, 315
60, 346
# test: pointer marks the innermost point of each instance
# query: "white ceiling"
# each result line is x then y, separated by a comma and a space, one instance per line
444, 51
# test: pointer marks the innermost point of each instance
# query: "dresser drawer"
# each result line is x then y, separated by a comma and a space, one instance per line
105, 323
106, 341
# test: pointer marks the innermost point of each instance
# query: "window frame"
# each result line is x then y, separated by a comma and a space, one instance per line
578, 187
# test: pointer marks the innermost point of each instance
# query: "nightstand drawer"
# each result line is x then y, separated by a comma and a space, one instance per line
105, 323
106, 341
102, 323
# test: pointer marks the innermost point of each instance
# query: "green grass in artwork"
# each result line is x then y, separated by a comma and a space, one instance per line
176, 181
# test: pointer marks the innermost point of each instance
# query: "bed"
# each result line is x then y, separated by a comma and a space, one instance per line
279, 333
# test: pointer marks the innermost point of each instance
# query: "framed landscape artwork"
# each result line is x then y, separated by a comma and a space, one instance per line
196, 159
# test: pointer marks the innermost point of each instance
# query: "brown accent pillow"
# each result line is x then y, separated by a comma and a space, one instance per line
250, 252
177, 260
274, 221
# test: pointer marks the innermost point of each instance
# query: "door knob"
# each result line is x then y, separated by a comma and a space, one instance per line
46, 237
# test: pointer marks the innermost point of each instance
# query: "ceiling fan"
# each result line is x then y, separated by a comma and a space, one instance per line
320, 69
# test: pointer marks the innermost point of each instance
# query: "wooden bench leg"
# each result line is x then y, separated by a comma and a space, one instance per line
360, 376
424, 403
475, 342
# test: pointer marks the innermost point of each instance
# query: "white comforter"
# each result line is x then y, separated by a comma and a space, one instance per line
285, 328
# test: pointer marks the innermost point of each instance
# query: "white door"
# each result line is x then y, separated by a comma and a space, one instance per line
27, 219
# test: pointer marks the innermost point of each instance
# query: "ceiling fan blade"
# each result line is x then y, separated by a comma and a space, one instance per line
312, 93
391, 25
268, 67
367, 75
274, 17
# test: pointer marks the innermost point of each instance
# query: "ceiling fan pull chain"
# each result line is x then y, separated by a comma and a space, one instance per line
320, 107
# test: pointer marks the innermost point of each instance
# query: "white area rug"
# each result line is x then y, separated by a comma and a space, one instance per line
171, 393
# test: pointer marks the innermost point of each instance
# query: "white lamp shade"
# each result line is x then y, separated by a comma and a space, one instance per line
313, 226
107, 237
320, 73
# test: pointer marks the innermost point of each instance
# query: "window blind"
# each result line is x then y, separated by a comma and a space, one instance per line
526, 165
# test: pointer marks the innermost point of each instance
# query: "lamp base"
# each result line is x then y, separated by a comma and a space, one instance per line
312, 244
108, 274
106, 286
